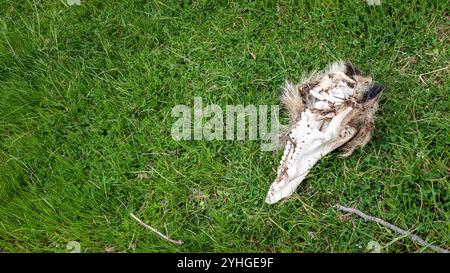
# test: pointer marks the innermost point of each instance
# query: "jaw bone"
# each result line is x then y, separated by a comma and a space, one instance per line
328, 110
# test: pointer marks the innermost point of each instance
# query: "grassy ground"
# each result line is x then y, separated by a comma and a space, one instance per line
85, 99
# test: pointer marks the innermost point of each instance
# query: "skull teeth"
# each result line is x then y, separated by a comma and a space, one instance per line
318, 131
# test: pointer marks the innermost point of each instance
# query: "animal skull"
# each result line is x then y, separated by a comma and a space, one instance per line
328, 110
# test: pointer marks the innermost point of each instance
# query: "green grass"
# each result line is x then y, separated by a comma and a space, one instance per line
85, 99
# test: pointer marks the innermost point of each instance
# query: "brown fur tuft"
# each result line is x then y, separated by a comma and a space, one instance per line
293, 100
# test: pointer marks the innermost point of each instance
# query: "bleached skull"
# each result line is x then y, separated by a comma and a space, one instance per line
328, 110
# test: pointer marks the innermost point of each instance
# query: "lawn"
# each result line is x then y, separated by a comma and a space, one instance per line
86, 94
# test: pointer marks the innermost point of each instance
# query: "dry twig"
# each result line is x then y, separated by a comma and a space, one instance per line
413, 237
431, 72
178, 242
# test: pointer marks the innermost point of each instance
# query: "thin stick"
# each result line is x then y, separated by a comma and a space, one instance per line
178, 242
413, 237
431, 72
434, 71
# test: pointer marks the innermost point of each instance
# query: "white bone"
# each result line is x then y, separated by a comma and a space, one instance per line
322, 105
331, 98
306, 145
348, 92
325, 83
345, 77
337, 93
316, 94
